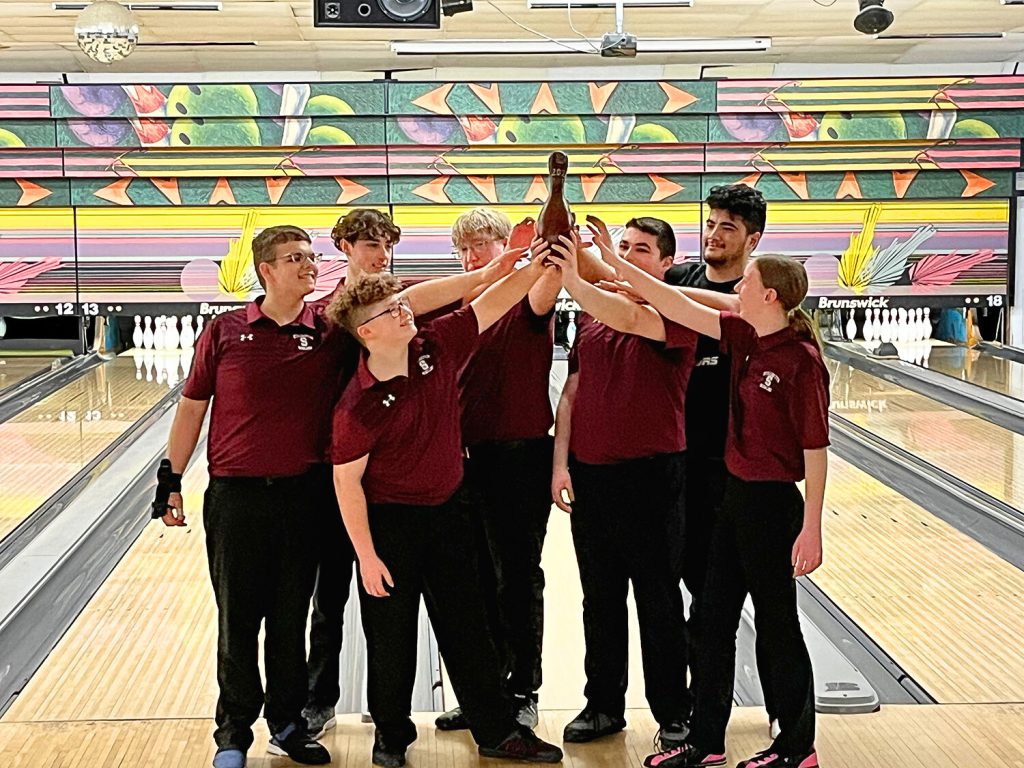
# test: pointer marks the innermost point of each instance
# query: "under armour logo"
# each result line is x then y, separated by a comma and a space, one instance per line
424, 363
305, 341
388, 400
245, 337
769, 379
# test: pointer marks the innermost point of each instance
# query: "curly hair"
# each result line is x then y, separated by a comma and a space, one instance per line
348, 308
365, 224
740, 200
263, 244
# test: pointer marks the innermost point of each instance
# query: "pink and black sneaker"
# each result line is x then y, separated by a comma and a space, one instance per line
771, 759
686, 756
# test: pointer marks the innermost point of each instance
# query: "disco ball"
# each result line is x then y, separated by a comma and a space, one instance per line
106, 31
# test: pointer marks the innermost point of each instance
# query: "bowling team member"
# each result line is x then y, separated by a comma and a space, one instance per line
733, 229
506, 418
766, 534
267, 479
367, 237
396, 447
619, 455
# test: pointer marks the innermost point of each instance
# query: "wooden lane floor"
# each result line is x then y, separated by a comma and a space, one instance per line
954, 736
47, 444
14, 369
979, 368
976, 451
944, 607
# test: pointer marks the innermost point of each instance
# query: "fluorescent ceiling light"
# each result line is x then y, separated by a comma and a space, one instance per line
945, 36
186, 5
576, 45
609, 3
1012, 2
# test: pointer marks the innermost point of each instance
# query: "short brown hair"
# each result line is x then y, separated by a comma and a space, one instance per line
263, 244
481, 221
348, 307
365, 224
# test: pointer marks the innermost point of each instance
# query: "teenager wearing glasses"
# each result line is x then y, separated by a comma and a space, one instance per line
506, 418
396, 450
270, 488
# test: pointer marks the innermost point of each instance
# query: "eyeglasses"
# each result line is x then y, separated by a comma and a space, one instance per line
476, 246
298, 257
395, 310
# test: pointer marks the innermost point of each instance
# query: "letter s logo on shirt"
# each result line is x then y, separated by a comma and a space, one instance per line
425, 365
305, 341
769, 379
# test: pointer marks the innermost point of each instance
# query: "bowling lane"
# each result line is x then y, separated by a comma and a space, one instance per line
944, 607
145, 645
14, 369
979, 368
972, 449
48, 443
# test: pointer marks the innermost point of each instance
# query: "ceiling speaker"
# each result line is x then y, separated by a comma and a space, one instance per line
423, 14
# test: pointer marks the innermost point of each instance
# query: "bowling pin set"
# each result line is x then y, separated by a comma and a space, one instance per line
164, 333
909, 330
163, 352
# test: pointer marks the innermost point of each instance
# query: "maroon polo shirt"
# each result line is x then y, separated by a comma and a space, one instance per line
780, 394
409, 425
272, 388
504, 386
630, 402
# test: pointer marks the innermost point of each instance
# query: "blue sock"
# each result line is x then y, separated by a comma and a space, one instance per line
229, 758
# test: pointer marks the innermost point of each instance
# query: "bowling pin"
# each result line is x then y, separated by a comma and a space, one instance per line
147, 360
878, 324
902, 325
137, 333
160, 334
138, 366
199, 324
885, 335
570, 330
188, 336
171, 340
926, 327
147, 334
851, 326
869, 329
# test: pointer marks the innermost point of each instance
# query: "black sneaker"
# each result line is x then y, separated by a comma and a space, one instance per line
526, 712
770, 759
685, 756
452, 720
591, 724
672, 735
387, 755
523, 744
296, 744
319, 720
229, 757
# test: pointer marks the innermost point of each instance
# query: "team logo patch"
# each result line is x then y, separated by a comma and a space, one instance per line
708, 361
768, 379
425, 365
305, 341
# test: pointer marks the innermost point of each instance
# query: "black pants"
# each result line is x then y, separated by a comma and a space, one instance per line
510, 483
259, 539
431, 551
333, 582
751, 553
628, 526
704, 495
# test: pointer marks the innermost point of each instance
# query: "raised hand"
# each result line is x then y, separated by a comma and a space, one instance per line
602, 239
621, 287
564, 255
503, 265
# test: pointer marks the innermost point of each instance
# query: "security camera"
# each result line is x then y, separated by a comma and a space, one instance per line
873, 17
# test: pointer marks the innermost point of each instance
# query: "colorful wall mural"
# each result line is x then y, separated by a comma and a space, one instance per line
145, 197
